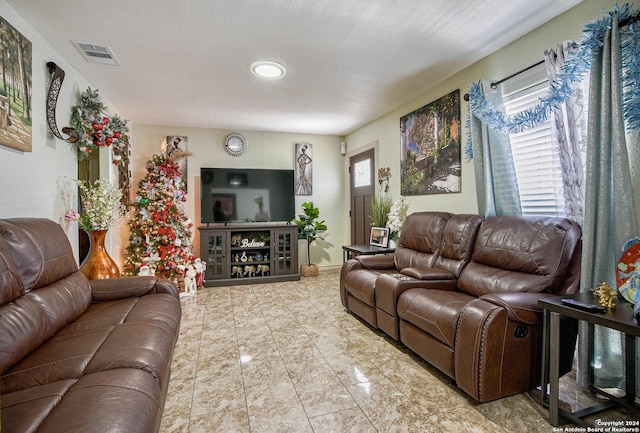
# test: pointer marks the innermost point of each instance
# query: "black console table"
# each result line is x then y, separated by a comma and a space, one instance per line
349, 251
620, 318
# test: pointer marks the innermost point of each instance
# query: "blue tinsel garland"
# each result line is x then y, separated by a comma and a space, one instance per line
577, 63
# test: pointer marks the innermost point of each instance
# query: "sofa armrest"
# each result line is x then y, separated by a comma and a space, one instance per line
428, 273
521, 307
126, 287
379, 262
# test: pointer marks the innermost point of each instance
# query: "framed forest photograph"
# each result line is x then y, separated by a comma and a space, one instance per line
430, 146
15, 88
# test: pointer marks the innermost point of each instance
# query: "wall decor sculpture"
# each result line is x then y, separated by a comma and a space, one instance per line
430, 146
15, 88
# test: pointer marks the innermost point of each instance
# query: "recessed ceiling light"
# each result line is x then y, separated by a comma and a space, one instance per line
268, 69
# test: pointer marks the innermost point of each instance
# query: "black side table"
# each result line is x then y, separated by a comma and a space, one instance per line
620, 318
349, 251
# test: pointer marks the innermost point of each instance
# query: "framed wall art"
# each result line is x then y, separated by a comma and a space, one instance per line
304, 169
430, 146
15, 89
173, 144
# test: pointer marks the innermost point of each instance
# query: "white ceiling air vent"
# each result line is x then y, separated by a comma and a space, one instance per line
94, 53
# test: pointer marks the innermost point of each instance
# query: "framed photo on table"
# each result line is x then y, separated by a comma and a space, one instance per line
379, 237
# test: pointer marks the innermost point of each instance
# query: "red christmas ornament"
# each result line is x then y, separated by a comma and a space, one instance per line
116, 134
108, 140
105, 120
97, 126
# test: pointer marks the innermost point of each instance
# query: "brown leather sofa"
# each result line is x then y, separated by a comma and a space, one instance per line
78, 355
461, 292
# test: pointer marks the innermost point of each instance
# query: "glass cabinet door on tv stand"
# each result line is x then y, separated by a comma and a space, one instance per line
286, 257
214, 252
249, 253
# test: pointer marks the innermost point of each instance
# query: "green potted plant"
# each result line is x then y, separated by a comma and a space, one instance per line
380, 207
309, 229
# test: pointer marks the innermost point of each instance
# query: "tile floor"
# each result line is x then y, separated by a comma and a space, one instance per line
287, 357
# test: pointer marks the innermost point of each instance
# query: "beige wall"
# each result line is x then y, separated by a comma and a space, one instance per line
265, 150
521, 53
32, 184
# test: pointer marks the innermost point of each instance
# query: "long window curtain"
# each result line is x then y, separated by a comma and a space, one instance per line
610, 217
569, 131
496, 183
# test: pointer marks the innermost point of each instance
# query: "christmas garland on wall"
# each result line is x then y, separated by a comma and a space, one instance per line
577, 63
95, 129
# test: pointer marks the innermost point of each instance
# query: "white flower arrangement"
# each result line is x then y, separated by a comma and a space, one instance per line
397, 214
101, 206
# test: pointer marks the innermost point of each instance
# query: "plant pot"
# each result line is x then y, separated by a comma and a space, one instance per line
309, 270
98, 265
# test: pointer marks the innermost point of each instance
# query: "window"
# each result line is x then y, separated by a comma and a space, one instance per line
363, 173
535, 154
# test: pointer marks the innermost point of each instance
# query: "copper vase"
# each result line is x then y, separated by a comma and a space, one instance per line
98, 265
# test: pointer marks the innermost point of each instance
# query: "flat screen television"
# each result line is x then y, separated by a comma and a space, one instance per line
246, 195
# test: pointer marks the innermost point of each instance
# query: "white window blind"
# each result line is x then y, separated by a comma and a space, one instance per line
535, 155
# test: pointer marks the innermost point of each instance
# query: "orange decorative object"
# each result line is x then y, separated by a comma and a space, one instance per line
98, 265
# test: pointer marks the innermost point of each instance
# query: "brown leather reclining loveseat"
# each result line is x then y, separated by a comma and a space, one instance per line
77, 355
461, 291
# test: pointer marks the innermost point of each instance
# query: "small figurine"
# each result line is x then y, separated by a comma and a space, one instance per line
145, 270
190, 281
200, 267
606, 295
265, 270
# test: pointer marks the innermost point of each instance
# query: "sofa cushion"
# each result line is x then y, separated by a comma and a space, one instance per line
361, 284
124, 400
433, 311
35, 317
130, 333
458, 240
25, 410
408, 258
520, 254
40, 250
10, 285
420, 239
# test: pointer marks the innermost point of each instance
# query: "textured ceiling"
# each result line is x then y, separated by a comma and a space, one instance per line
186, 63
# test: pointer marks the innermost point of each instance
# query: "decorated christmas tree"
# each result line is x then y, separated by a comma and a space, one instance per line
160, 232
